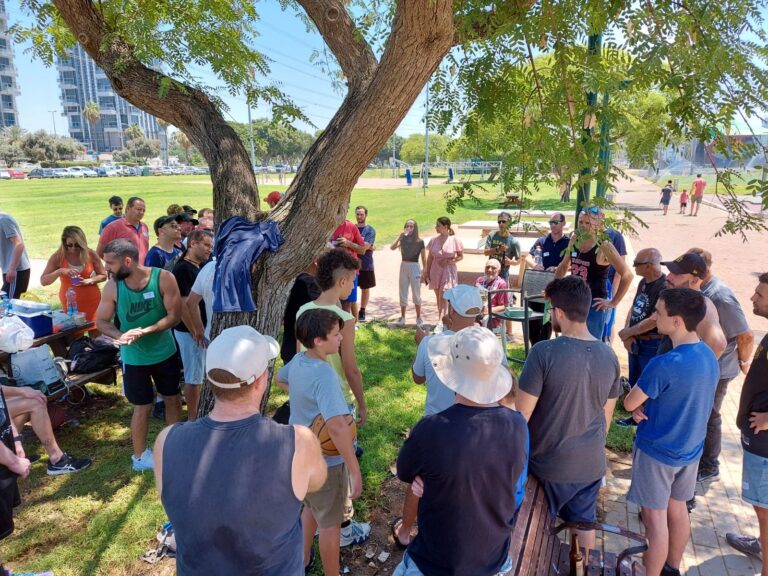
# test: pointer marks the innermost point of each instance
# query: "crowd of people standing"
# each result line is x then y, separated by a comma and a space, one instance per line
483, 433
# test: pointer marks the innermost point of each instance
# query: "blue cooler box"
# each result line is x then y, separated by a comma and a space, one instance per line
40, 322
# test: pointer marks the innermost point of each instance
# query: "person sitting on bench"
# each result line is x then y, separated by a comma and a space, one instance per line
26, 404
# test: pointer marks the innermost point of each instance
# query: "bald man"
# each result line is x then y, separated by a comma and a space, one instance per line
640, 337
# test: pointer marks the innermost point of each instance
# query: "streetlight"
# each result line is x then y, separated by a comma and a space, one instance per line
53, 117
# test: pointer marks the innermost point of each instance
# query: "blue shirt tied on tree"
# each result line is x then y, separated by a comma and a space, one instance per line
681, 387
238, 243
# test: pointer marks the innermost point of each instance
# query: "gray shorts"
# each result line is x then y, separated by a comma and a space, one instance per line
654, 483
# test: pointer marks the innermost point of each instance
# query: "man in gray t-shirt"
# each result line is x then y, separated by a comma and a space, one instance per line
568, 389
735, 358
13, 257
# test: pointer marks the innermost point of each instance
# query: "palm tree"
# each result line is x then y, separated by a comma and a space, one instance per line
181, 139
133, 132
92, 114
12, 134
164, 127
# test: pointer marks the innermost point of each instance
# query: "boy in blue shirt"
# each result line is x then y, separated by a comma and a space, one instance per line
314, 389
678, 389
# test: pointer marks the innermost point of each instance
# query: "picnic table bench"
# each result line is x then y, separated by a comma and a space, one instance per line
536, 549
511, 199
59, 343
519, 229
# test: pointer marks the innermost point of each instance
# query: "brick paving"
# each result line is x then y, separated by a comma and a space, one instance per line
719, 506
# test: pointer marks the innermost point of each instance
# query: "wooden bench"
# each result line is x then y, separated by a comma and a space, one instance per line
536, 549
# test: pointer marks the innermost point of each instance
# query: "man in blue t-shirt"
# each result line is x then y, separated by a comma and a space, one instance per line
165, 252
116, 205
671, 401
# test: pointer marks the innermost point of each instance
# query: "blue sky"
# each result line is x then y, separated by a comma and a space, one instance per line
283, 39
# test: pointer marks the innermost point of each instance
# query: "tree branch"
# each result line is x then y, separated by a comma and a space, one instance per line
187, 108
343, 39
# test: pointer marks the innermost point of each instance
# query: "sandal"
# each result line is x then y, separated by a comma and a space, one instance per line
394, 526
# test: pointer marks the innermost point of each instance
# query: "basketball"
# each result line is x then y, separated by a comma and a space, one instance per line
320, 430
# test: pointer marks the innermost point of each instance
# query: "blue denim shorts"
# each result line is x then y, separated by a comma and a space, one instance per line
754, 480
408, 567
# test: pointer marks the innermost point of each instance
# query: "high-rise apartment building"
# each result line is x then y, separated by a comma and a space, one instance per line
82, 81
9, 89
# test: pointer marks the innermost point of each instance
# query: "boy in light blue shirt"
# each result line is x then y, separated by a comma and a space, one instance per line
314, 390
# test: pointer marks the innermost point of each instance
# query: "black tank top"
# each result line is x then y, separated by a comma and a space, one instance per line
227, 491
584, 264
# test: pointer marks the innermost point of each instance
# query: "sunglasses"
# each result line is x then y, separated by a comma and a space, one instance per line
594, 211
639, 263
556, 221
503, 221
68, 245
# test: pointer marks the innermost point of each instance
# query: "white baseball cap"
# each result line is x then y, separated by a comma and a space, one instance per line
469, 363
241, 351
465, 300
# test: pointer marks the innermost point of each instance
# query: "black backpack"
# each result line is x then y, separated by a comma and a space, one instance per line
87, 356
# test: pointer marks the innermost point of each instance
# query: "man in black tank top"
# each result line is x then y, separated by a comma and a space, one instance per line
590, 255
236, 510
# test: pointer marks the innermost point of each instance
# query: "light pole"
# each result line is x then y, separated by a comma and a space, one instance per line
53, 117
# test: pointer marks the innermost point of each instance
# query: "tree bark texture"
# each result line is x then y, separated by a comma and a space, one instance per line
380, 94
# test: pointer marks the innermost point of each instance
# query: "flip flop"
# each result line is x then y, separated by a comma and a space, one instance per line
397, 522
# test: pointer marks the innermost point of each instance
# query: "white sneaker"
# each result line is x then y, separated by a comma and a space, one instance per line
438, 329
145, 462
420, 323
355, 533
401, 322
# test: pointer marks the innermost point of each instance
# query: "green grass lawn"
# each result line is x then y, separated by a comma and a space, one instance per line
44, 207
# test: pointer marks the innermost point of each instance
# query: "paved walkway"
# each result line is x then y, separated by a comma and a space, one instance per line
720, 508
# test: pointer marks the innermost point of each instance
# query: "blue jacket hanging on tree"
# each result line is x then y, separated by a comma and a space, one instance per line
238, 243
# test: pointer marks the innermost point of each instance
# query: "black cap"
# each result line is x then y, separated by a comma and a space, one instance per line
688, 263
163, 220
188, 209
184, 217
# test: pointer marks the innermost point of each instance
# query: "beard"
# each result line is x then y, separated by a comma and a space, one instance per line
122, 273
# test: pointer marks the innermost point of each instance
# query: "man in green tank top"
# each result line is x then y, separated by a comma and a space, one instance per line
146, 301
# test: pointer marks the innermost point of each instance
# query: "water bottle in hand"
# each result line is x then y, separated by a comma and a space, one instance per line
537, 258
71, 302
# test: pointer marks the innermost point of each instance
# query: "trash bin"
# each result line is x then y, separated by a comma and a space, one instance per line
145, 171
408, 177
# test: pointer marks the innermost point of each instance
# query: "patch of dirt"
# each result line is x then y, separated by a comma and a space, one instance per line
363, 560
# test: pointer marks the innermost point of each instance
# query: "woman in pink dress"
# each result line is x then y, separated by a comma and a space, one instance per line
443, 250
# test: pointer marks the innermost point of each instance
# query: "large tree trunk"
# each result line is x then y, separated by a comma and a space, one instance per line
317, 201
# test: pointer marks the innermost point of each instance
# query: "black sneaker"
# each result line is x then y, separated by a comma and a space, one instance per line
691, 504
67, 465
669, 571
626, 422
708, 476
745, 544
159, 411
361, 315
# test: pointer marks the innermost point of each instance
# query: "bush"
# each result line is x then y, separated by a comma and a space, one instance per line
69, 163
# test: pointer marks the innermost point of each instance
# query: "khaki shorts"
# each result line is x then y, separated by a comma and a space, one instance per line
327, 504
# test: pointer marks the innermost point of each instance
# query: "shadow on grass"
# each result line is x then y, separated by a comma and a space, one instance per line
104, 536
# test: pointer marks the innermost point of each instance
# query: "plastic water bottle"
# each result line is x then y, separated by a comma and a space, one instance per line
71, 302
4, 304
537, 257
